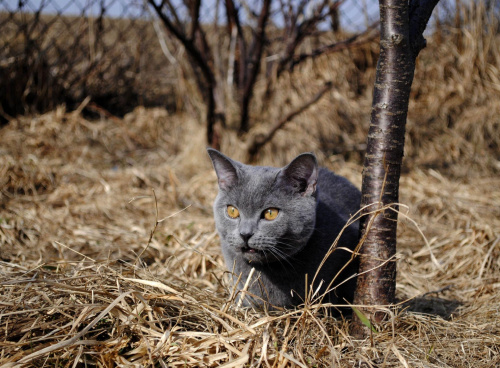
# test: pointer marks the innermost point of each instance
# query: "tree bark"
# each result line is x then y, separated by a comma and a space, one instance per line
401, 29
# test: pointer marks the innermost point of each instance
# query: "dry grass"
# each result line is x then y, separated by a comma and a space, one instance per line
97, 269
77, 210
453, 119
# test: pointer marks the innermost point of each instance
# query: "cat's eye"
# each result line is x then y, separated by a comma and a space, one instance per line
271, 213
233, 212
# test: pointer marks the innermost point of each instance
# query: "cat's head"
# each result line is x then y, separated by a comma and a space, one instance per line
265, 214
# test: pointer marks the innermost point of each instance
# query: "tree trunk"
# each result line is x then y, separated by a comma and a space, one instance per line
401, 40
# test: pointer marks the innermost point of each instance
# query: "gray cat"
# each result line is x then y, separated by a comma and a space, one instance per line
283, 221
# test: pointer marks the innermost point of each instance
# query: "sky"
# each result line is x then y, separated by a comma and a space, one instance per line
353, 15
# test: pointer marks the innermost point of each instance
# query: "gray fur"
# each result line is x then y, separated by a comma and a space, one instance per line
314, 206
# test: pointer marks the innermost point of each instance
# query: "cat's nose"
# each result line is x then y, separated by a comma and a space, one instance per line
245, 236
246, 229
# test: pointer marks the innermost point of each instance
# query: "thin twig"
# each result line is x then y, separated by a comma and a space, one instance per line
152, 231
351, 42
259, 140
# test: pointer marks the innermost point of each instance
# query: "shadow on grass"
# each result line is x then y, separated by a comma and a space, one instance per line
433, 306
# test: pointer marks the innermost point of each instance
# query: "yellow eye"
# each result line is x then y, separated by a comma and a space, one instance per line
233, 212
271, 213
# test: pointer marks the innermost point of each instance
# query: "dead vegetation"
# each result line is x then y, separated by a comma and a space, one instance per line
80, 284
85, 282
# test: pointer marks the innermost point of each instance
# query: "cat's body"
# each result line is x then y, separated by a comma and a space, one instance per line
287, 220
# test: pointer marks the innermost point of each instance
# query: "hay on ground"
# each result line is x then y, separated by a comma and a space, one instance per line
97, 269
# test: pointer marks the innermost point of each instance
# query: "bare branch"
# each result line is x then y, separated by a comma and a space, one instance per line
194, 11
178, 33
163, 44
255, 51
173, 12
200, 60
234, 21
253, 63
420, 11
260, 140
232, 57
336, 46
301, 26
199, 57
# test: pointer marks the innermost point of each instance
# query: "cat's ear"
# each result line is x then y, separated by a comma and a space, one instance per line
301, 174
225, 168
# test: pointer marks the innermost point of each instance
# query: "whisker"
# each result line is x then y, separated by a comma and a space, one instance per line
279, 257
290, 246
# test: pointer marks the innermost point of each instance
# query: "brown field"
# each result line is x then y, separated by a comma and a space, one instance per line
109, 256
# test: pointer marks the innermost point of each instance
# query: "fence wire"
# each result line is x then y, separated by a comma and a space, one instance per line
55, 52
61, 51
